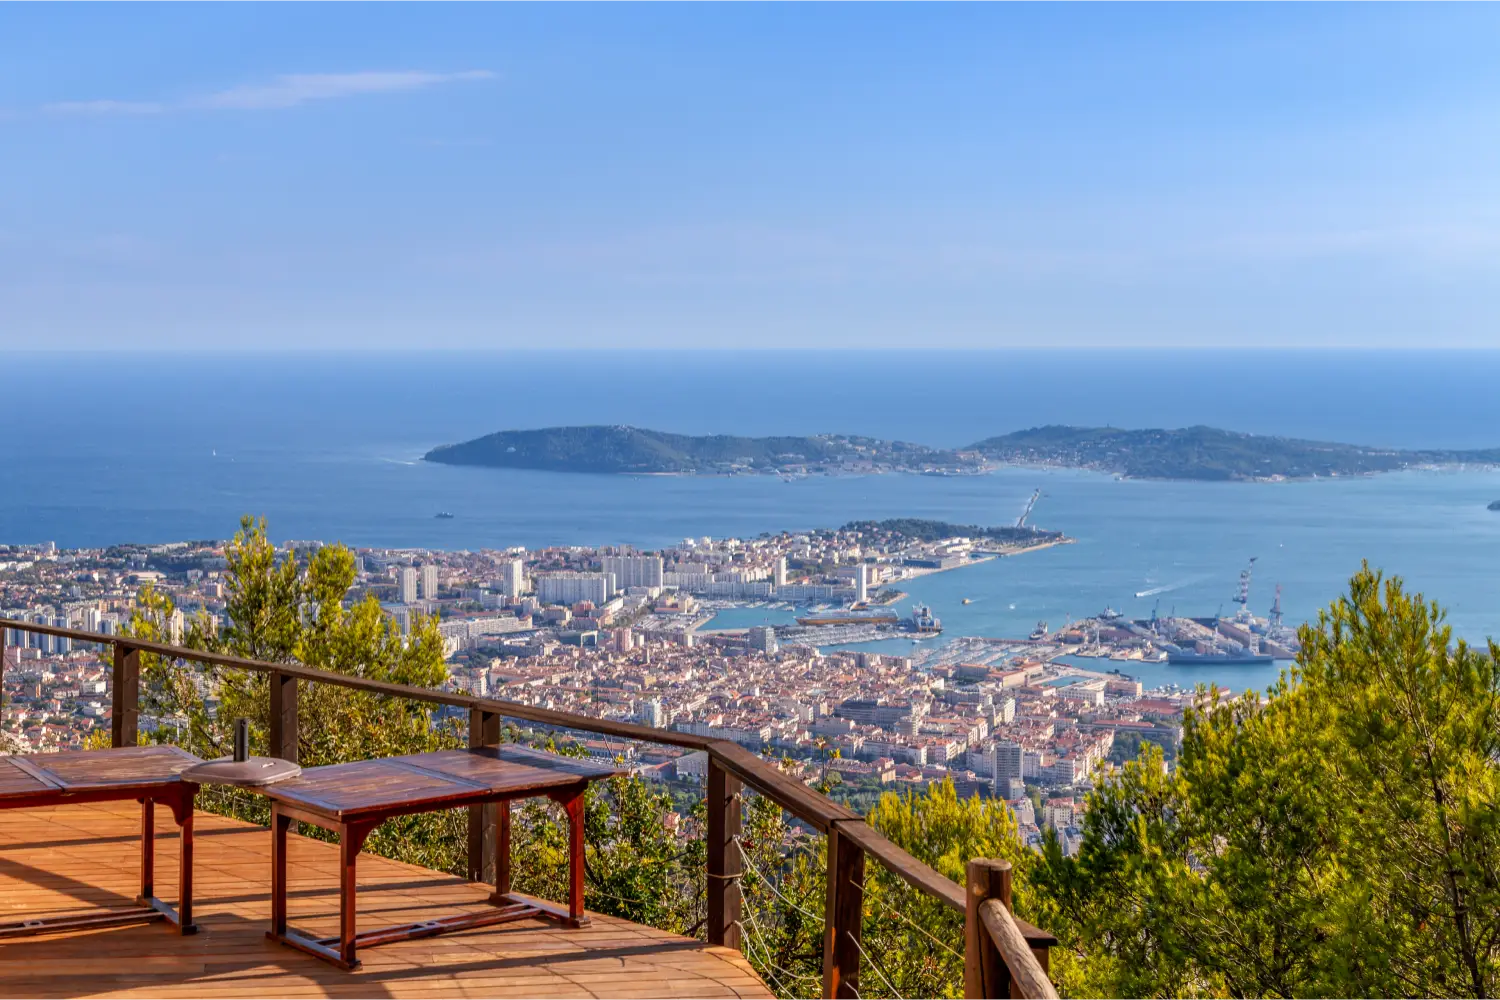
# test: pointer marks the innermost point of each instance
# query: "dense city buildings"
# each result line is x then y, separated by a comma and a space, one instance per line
615, 633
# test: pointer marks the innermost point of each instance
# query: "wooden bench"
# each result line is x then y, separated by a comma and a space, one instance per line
149, 774
352, 799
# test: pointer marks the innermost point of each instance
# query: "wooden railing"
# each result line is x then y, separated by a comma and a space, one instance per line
730, 768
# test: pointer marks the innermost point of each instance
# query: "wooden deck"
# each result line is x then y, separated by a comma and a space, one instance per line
66, 859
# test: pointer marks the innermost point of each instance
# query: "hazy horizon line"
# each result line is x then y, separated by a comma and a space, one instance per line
738, 349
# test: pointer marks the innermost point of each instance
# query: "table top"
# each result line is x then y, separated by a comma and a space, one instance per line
426, 781
92, 770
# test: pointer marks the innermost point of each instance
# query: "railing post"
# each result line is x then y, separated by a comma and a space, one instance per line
484, 730
985, 972
125, 696
725, 820
284, 725
843, 916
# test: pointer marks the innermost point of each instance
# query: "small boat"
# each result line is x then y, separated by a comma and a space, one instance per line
443, 515
967, 600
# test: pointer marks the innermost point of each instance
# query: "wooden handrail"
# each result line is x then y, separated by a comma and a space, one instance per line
1026, 975
850, 837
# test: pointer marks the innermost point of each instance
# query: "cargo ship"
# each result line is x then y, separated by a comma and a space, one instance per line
923, 622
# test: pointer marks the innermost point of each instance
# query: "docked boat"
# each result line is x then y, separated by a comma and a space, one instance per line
1040, 632
923, 622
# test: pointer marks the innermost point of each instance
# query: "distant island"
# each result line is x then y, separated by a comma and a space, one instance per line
1206, 453
634, 450
1192, 453
1494, 505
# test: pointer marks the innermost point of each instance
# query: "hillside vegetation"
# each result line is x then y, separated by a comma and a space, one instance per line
1200, 453
632, 449
1206, 453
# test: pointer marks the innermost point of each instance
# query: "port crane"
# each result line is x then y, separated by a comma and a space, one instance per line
1275, 618
1242, 598
1021, 521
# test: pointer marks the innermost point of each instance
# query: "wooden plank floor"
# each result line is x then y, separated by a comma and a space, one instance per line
67, 859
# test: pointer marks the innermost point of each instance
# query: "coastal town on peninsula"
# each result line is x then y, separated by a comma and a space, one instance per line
611, 632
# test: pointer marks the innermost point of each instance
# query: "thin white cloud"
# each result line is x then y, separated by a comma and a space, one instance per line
104, 108
302, 88
286, 91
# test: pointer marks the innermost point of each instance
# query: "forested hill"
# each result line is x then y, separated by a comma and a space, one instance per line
631, 449
1201, 453
1207, 453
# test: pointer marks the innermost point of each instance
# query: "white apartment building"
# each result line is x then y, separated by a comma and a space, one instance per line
512, 578
570, 588
634, 571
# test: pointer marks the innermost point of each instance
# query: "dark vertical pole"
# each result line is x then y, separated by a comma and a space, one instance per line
574, 807
724, 861
125, 696
148, 851
185, 923
985, 971
349, 842
502, 850
279, 827
284, 731
843, 917
484, 731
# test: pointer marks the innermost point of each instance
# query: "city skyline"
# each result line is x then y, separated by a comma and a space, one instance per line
317, 178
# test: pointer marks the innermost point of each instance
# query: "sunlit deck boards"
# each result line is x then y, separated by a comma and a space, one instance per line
67, 859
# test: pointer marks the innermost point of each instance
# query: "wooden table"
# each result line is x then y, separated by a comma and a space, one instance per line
353, 799
147, 774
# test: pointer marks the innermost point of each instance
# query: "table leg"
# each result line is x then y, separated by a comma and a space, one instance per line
279, 825
148, 851
349, 844
574, 807
184, 817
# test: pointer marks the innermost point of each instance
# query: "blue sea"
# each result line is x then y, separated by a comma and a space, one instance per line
160, 447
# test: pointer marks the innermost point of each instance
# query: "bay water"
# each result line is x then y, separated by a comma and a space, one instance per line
103, 449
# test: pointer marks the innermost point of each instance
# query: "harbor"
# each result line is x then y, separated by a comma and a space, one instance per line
1236, 651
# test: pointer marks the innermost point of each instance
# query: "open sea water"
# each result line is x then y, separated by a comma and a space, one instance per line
161, 447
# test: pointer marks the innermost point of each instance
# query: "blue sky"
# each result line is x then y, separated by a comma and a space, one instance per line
290, 176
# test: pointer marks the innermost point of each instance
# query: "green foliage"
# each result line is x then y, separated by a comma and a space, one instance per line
1205, 453
1413, 730
633, 449
912, 944
286, 610
1338, 838
636, 865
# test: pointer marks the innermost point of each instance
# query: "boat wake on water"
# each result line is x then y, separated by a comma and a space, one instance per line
1171, 586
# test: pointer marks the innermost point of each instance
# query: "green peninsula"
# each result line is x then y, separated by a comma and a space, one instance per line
1193, 453
1206, 453
634, 450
